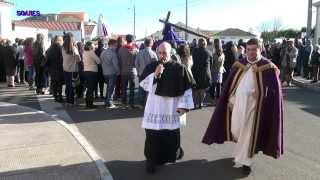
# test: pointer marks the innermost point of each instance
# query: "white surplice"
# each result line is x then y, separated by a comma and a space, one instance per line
161, 112
242, 119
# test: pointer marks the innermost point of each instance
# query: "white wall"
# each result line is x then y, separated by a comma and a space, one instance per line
5, 21
235, 39
26, 32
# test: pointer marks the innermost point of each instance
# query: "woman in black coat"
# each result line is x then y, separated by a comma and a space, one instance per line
202, 61
55, 68
229, 59
10, 63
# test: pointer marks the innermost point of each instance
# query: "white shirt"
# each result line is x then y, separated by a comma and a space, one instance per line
161, 112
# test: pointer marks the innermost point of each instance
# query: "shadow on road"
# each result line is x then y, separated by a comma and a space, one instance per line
81, 114
309, 99
82, 171
221, 169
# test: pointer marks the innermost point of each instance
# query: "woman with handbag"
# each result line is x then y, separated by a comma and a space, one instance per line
71, 58
90, 64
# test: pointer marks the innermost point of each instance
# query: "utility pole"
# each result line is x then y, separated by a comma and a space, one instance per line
309, 18
134, 20
185, 33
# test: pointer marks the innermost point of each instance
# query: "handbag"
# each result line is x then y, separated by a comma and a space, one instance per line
75, 75
75, 79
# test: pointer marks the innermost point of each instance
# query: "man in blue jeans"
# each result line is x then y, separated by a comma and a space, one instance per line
127, 55
110, 68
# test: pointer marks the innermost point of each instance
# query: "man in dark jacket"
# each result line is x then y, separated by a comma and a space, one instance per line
54, 64
39, 62
100, 84
315, 63
10, 63
202, 61
306, 57
2, 68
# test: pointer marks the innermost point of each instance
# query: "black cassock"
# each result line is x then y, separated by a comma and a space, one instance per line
163, 146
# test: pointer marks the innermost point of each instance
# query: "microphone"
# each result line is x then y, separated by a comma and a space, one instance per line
159, 76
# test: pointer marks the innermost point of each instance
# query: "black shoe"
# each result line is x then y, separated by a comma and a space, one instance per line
180, 154
59, 99
91, 106
246, 170
150, 167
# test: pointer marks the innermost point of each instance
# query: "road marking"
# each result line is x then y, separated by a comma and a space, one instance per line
21, 114
57, 112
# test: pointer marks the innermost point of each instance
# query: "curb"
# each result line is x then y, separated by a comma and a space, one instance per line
309, 86
83, 142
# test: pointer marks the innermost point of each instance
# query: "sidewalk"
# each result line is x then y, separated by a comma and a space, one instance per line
34, 146
304, 83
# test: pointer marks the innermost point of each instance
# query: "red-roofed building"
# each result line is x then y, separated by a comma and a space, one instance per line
50, 25
53, 27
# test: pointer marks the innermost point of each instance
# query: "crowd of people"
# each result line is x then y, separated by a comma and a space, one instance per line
295, 57
172, 79
84, 69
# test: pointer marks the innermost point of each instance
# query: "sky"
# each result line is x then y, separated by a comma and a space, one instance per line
247, 15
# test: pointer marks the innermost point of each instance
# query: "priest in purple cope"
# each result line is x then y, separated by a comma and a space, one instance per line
250, 110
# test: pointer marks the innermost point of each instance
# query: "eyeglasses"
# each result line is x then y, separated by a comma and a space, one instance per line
162, 53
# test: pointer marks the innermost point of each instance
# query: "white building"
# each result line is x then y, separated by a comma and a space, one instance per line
48, 28
27, 32
234, 35
5, 19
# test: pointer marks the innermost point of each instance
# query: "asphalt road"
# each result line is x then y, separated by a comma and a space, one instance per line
117, 136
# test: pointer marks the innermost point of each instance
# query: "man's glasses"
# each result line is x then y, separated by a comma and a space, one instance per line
162, 53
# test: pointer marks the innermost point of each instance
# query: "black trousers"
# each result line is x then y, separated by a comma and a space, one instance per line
307, 71
100, 82
162, 146
91, 81
80, 88
56, 84
215, 90
21, 72
39, 79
